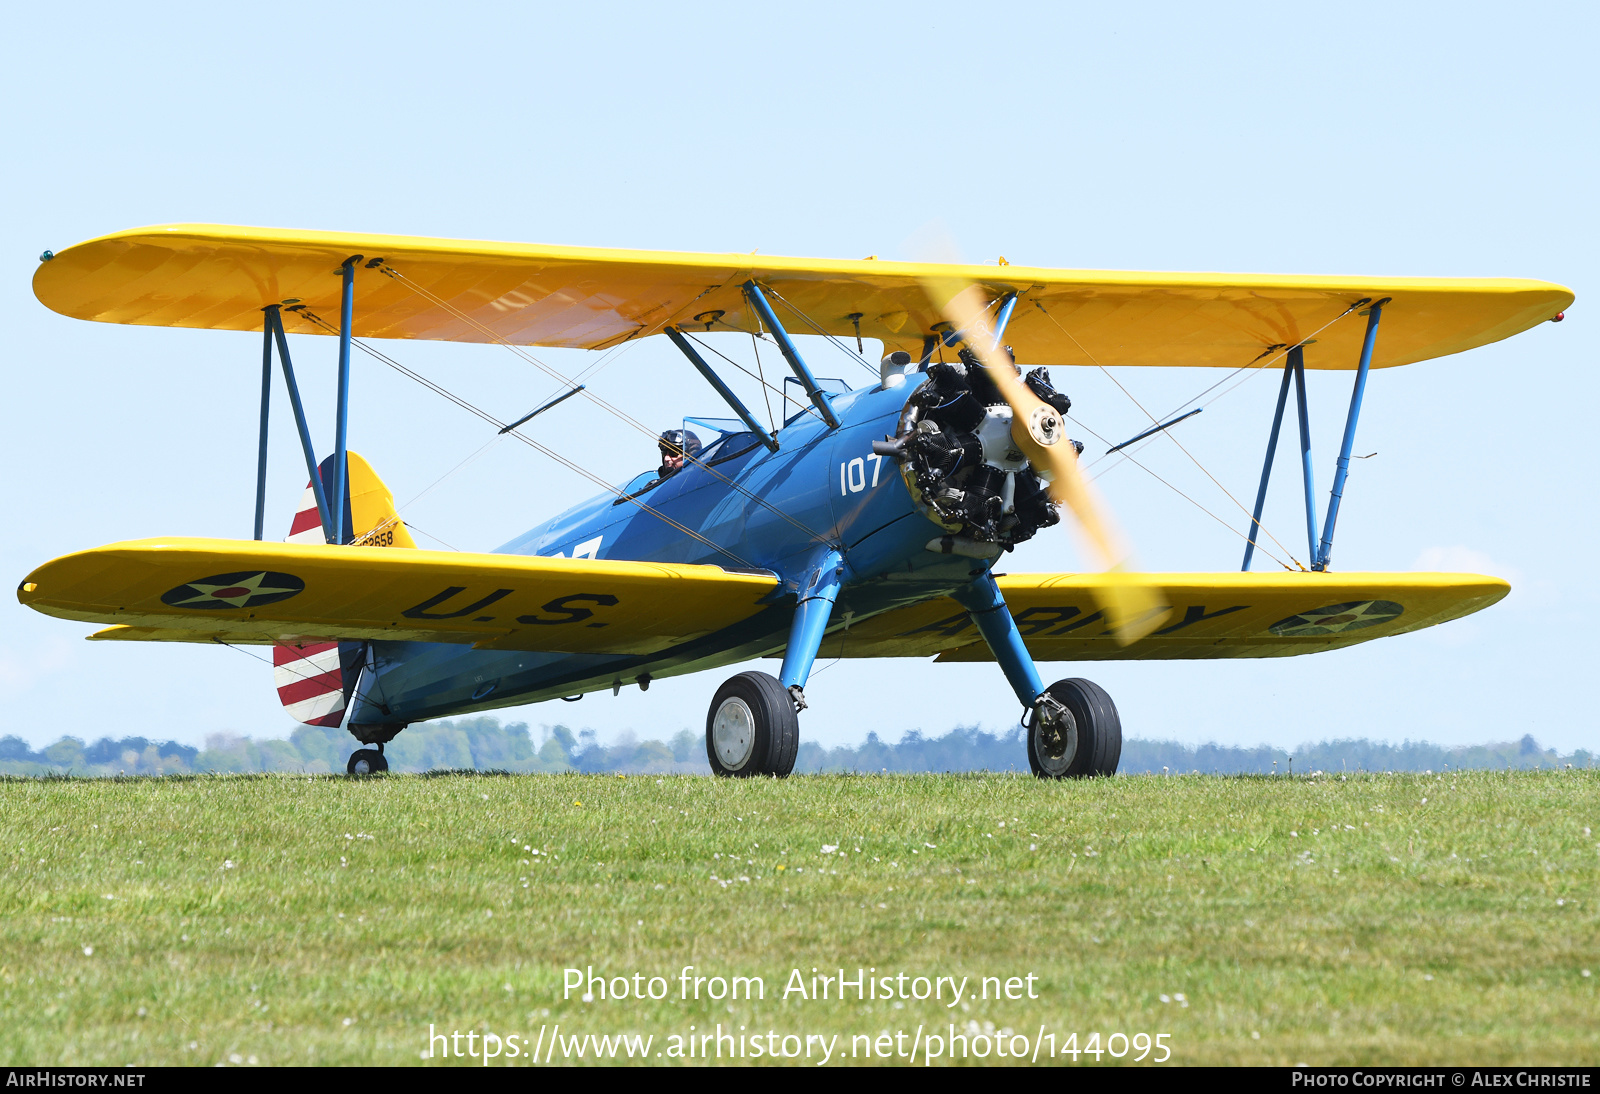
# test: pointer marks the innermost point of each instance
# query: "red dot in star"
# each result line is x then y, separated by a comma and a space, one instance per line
237, 590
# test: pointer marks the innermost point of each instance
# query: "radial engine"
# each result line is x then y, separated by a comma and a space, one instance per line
957, 457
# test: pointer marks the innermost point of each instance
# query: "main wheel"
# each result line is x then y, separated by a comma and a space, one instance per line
1089, 743
752, 727
367, 761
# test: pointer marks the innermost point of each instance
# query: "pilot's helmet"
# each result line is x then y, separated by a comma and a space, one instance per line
678, 442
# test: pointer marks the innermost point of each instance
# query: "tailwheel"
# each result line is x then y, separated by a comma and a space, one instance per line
1074, 732
752, 727
367, 761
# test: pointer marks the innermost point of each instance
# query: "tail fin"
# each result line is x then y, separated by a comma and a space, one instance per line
315, 679
370, 518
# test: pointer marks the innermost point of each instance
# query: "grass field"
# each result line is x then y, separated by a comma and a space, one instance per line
295, 919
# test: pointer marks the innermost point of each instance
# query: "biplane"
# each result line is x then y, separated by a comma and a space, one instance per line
870, 517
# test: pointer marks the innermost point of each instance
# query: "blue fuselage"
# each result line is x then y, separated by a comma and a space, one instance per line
821, 489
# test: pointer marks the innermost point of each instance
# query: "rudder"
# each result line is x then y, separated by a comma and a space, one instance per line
315, 679
370, 517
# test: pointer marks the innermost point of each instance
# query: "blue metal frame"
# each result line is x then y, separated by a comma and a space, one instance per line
951, 335
266, 402
1297, 363
722, 389
987, 607
758, 300
342, 411
1003, 318
811, 617
1266, 470
276, 320
1325, 551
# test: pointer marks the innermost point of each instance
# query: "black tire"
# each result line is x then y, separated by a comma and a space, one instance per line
1095, 746
367, 761
760, 729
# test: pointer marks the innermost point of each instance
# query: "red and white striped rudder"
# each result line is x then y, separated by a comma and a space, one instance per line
315, 678
310, 682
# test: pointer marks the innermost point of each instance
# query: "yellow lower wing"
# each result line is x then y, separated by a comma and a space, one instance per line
197, 590
1199, 616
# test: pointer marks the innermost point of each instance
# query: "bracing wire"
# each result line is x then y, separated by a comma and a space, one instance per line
766, 386
1260, 363
761, 374
608, 358
431, 536
529, 441
1190, 500
1271, 356
492, 442
808, 321
273, 666
1263, 360
292, 670
594, 398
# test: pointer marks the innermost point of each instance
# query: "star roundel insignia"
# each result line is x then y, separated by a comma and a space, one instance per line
246, 589
1338, 617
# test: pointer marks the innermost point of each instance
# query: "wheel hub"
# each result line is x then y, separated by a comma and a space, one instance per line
733, 733
1055, 736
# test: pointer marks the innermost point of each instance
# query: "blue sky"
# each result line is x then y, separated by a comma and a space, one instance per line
1449, 140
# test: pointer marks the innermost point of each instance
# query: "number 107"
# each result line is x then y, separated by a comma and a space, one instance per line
853, 475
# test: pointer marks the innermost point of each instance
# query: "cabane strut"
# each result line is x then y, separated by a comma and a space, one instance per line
722, 389
758, 301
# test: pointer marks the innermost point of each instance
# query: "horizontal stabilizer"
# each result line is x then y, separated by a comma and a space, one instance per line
247, 592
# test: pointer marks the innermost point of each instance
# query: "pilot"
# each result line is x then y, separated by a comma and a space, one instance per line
673, 444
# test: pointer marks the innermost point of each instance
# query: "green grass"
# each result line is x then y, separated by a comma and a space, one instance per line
295, 919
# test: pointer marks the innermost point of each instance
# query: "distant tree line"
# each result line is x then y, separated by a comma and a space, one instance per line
484, 744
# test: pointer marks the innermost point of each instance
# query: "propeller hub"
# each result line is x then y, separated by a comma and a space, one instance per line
1045, 426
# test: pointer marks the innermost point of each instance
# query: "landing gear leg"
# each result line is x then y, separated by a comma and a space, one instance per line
1073, 728
811, 615
753, 727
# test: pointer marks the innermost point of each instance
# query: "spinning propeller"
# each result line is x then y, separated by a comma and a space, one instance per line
1130, 603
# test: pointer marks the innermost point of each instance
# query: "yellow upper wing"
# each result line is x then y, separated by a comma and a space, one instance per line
1201, 616
220, 277
194, 590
